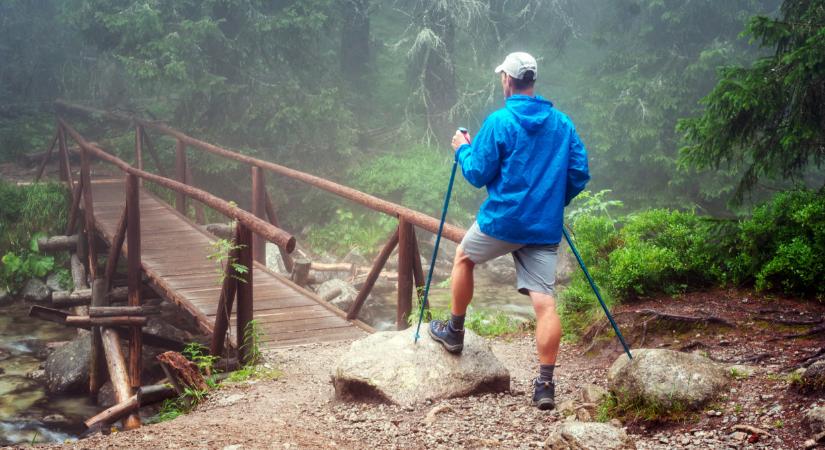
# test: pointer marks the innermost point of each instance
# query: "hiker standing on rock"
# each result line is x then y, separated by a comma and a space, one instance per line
533, 163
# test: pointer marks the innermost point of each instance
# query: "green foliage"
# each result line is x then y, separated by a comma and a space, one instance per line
630, 408
199, 355
767, 118
222, 250
781, 245
252, 343
26, 210
256, 372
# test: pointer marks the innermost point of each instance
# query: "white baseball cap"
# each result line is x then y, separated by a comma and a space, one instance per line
517, 64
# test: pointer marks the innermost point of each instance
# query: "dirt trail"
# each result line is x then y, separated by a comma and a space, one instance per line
297, 411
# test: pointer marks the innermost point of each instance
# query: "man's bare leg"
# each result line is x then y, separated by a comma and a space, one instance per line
548, 337
462, 283
548, 327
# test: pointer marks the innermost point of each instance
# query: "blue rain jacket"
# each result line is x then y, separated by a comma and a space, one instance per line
533, 163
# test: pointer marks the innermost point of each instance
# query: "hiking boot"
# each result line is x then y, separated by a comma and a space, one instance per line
451, 340
544, 395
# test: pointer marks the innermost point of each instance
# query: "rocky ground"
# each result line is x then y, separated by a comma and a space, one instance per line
758, 409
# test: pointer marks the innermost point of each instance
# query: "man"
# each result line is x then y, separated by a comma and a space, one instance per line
533, 163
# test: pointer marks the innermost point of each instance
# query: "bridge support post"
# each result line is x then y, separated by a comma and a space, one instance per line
180, 173
134, 273
259, 210
224, 311
406, 235
244, 290
88, 209
372, 277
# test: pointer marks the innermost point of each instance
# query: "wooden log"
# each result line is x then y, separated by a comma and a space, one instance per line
79, 297
148, 395
134, 273
113, 311
405, 275
57, 243
108, 321
114, 413
63, 157
82, 253
74, 211
115, 249
97, 374
180, 174
88, 209
300, 271
334, 267
59, 317
244, 290
377, 266
227, 297
199, 213
273, 219
139, 147
182, 373
118, 373
259, 210
46, 157
78, 275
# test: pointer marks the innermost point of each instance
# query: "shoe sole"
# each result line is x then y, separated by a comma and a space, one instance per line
452, 348
545, 404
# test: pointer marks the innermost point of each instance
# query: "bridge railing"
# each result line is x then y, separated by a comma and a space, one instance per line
410, 272
235, 284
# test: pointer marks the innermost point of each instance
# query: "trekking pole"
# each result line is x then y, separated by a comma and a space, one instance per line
423, 298
596, 291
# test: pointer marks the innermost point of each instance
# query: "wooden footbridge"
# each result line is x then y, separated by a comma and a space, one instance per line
166, 247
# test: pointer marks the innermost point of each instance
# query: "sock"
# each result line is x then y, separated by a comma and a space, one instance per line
457, 322
546, 372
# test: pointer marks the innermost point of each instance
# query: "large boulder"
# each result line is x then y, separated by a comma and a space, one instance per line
666, 379
35, 291
813, 379
588, 436
389, 367
67, 368
53, 282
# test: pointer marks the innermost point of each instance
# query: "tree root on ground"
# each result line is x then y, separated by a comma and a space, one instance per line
710, 319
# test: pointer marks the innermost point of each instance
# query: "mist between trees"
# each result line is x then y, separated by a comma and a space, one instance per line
701, 106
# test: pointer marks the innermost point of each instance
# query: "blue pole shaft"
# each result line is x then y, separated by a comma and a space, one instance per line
596, 291
435, 251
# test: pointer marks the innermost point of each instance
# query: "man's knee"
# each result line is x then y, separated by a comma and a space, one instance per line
543, 302
461, 259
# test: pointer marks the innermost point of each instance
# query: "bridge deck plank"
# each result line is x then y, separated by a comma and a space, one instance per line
175, 256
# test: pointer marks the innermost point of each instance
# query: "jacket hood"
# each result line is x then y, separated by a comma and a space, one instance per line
530, 112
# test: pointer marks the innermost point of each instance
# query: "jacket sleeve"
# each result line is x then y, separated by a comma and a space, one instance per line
577, 172
481, 160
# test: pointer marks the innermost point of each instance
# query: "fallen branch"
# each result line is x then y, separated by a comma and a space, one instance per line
812, 332
753, 358
750, 429
790, 321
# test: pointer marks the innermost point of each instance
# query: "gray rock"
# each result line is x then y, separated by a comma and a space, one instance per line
588, 435
389, 367
813, 379
5, 297
53, 282
161, 328
67, 367
35, 291
593, 394
343, 300
814, 419
106, 395
667, 378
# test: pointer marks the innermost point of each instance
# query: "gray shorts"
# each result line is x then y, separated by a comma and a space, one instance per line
535, 264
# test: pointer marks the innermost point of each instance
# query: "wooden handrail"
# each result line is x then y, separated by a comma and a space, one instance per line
416, 218
263, 228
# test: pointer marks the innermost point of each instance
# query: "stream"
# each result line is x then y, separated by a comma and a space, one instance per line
28, 413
